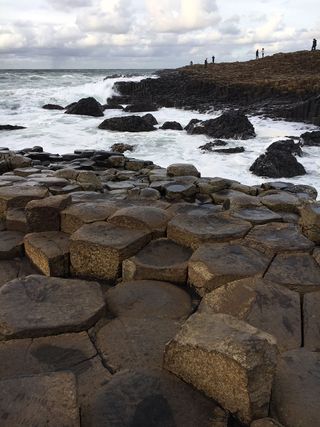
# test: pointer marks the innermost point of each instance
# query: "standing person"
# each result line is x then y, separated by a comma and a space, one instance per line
314, 44
213, 58
191, 63
257, 54
262, 52
206, 63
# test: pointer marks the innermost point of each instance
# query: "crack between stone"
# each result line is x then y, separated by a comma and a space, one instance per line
269, 265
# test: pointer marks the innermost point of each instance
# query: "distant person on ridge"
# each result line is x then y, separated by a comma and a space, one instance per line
262, 52
314, 44
191, 63
257, 54
206, 63
213, 58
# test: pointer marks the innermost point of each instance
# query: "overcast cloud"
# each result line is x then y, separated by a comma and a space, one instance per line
149, 33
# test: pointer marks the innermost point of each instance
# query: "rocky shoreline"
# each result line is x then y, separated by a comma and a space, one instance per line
136, 295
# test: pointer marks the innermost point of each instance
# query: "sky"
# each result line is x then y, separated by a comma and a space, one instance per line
150, 33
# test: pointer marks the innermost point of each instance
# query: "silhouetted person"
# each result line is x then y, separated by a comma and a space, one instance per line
262, 52
213, 58
191, 63
206, 63
257, 54
314, 44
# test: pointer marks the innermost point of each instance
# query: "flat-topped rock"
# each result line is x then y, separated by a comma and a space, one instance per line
311, 321
49, 399
182, 169
49, 252
178, 191
142, 218
297, 271
310, 221
36, 306
214, 264
161, 259
148, 299
11, 244
98, 249
234, 200
19, 196
75, 216
44, 214
16, 220
296, 389
256, 215
283, 202
127, 124
18, 267
265, 305
192, 231
229, 360
153, 399
277, 237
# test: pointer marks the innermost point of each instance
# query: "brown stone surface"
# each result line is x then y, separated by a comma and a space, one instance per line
214, 264
266, 422
16, 220
182, 169
49, 252
192, 231
229, 360
11, 244
41, 400
44, 214
19, 196
282, 202
297, 271
153, 399
12, 269
277, 237
161, 259
142, 218
310, 221
296, 389
265, 305
36, 306
311, 321
98, 249
79, 214
148, 298
256, 215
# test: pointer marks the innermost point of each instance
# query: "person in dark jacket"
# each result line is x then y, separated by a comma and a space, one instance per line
314, 45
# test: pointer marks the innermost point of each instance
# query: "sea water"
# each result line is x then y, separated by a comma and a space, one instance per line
24, 92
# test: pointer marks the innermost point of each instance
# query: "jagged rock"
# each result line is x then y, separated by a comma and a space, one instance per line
297, 271
44, 214
310, 221
121, 148
150, 119
11, 127
191, 124
311, 321
97, 250
287, 145
209, 146
48, 399
192, 230
262, 304
153, 399
256, 215
209, 266
182, 169
87, 107
127, 124
37, 305
52, 107
19, 196
229, 360
296, 389
76, 215
141, 107
11, 244
171, 125
49, 252
311, 139
161, 259
231, 124
149, 218
278, 237
277, 164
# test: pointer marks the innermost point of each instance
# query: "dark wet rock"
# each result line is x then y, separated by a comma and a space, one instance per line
87, 107
209, 146
149, 118
138, 108
311, 139
277, 164
232, 124
112, 107
191, 124
233, 150
172, 125
121, 148
11, 244
11, 127
127, 124
287, 145
52, 107
113, 76
12, 269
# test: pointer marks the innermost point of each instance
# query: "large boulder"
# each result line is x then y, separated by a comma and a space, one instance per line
182, 169
232, 124
171, 125
311, 139
277, 164
287, 145
87, 107
127, 124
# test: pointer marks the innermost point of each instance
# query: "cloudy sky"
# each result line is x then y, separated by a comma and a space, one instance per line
150, 33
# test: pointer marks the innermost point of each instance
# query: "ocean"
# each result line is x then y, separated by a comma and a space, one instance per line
23, 92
